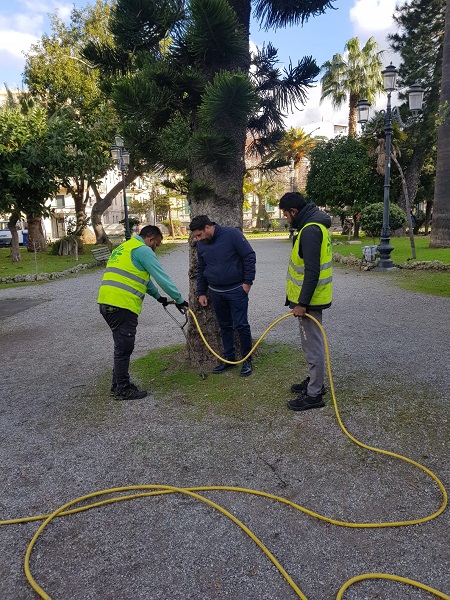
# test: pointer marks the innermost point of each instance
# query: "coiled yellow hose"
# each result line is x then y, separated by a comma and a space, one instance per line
66, 509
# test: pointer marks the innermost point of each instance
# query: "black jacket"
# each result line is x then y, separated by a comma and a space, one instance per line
309, 249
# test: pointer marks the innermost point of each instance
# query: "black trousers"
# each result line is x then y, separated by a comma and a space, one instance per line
123, 324
231, 310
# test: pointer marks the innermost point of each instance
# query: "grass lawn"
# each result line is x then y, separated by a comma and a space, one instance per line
423, 281
44, 262
402, 248
166, 373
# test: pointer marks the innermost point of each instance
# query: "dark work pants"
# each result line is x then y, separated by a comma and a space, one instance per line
123, 324
231, 310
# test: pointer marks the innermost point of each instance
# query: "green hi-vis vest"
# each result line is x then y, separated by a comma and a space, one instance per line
296, 271
123, 285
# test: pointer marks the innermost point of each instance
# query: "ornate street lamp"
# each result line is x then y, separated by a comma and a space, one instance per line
415, 96
122, 158
362, 110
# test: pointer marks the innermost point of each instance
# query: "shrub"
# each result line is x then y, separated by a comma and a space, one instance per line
371, 218
54, 247
275, 224
176, 225
255, 230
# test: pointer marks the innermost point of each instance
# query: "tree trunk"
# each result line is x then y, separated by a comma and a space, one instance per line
440, 229
102, 204
36, 236
352, 115
222, 204
428, 210
15, 249
412, 178
407, 205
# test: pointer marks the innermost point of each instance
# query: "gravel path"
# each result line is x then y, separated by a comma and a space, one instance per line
62, 438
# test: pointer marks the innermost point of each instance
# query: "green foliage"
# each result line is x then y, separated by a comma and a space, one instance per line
214, 37
30, 156
56, 73
342, 177
371, 218
294, 145
132, 222
185, 102
229, 99
174, 228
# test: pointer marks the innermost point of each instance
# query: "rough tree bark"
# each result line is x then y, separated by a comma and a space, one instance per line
440, 230
15, 250
223, 206
36, 235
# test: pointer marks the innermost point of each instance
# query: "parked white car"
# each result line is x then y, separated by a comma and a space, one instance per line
5, 234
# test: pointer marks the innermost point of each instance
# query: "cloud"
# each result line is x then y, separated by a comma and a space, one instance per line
372, 15
16, 42
314, 111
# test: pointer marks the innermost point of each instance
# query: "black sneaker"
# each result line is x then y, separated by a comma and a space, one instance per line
299, 388
246, 369
221, 368
305, 402
113, 390
130, 393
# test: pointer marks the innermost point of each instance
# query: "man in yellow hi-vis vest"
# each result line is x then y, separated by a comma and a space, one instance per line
309, 291
126, 281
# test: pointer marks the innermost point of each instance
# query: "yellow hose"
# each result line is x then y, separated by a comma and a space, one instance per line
66, 509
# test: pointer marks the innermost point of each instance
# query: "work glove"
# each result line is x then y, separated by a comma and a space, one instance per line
163, 300
182, 306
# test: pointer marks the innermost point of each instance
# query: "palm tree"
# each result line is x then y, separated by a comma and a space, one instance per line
355, 75
440, 230
294, 146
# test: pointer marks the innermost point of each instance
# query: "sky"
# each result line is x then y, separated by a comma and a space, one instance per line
23, 22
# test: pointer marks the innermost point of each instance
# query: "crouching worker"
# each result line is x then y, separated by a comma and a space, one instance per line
126, 280
309, 291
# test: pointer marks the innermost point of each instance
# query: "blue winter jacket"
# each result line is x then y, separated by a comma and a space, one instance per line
224, 262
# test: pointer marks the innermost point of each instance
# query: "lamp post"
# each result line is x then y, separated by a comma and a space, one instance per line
415, 96
122, 158
291, 185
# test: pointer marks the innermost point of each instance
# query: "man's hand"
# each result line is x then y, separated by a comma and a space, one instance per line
163, 300
299, 311
203, 300
246, 287
182, 306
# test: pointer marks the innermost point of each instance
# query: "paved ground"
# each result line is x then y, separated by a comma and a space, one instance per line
62, 437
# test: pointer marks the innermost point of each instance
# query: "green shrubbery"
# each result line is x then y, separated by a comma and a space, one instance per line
176, 226
371, 218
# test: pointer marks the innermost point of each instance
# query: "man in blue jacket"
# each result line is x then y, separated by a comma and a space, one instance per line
226, 268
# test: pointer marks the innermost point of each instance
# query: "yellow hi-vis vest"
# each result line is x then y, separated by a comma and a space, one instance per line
124, 285
296, 271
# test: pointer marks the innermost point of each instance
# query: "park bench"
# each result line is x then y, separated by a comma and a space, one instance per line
101, 255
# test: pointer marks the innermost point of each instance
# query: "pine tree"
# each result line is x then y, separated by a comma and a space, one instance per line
419, 43
180, 78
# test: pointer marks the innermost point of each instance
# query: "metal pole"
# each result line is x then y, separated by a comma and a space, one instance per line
385, 247
291, 176
125, 205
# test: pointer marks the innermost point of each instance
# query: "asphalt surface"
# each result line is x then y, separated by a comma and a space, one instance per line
62, 437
